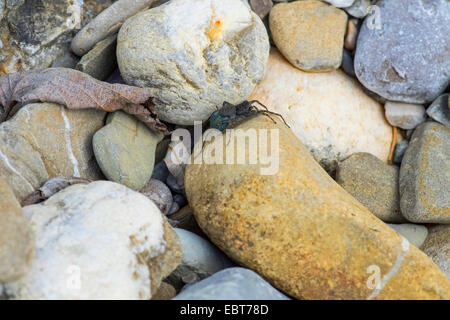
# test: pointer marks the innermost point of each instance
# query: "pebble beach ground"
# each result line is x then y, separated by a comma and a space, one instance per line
225, 149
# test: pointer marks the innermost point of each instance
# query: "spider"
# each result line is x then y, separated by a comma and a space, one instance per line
229, 113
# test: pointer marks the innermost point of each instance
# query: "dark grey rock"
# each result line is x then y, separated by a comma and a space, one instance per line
173, 185
403, 49
174, 208
399, 151
425, 175
440, 110
180, 199
231, 284
160, 171
347, 64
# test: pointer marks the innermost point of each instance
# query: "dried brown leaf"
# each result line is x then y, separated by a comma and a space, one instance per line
76, 90
51, 187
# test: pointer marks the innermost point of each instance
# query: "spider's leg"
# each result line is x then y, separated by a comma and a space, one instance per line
256, 101
279, 115
267, 114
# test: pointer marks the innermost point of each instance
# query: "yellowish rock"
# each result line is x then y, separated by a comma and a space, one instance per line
45, 140
17, 243
300, 230
310, 34
328, 112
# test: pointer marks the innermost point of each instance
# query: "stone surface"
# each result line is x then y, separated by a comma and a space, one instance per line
16, 237
340, 3
352, 35
437, 247
404, 115
165, 292
231, 284
100, 62
106, 23
300, 230
125, 150
373, 183
439, 110
347, 64
399, 151
201, 259
160, 171
98, 241
425, 175
193, 55
67, 60
45, 140
360, 8
414, 233
184, 219
33, 34
261, 7
159, 193
310, 34
390, 58
328, 112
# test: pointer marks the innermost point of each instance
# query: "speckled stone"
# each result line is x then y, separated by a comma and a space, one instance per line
159, 193
310, 34
406, 58
45, 140
373, 183
425, 175
193, 55
300, 230
125, 150
327, 111
437, 247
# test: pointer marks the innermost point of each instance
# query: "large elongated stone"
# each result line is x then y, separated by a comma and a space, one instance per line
300, 230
